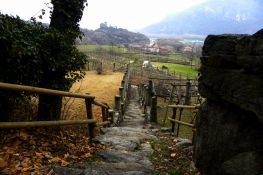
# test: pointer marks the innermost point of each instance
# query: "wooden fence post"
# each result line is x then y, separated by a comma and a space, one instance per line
154, 109
114, 69
188, 93
142, 95
140, 90
111, 116
147, 94
88, 65
180, 117
123, 84
129, 91
150, 92
121, 93
118, 106
122, 109
173, 117
91, 126
103, 113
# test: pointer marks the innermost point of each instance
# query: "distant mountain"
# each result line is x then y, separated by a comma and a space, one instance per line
113, 35
213, 17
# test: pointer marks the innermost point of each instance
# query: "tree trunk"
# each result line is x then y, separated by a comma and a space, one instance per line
49, 107
64, 18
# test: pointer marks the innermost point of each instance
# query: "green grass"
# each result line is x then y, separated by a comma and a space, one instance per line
100, 48
176, 56
155, 57
187, 116
184, 70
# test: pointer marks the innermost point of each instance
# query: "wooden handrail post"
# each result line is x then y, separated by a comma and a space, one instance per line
174, 117
145, 94
154, 109
118, 106
122, 109
123, 83
111, 116
121, 93
91, 126
107, 113
129, 91
103, 113
140, 90
117, 102
150, 92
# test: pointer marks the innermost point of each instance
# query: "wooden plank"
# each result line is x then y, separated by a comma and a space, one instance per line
184, 106
180, 122
182, 84
38, 90
100, 104
175, 79
44, 123
102, 123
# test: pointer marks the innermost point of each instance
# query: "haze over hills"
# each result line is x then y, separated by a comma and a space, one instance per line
213, 17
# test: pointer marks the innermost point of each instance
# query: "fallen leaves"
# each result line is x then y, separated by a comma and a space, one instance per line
168, 158
59, 161
173, 155
31, 150
23, 135
3, 163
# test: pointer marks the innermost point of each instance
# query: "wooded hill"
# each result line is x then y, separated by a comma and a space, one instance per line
112, 35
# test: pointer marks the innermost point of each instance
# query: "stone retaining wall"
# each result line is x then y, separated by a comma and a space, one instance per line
229, 136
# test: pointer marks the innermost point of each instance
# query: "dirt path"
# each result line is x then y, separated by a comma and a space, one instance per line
104, 87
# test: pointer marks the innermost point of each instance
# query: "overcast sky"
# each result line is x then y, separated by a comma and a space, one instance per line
129, 14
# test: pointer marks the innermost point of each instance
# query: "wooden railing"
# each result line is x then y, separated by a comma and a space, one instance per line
89, 101
148, 100
122, 98
179, 121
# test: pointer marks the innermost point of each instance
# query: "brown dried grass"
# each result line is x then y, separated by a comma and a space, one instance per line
104, 87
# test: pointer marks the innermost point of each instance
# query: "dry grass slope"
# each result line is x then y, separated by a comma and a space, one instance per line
104, 87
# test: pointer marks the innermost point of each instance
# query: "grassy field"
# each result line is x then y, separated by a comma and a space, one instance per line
184, 70
104, 87
178, 57
119, 53
100, 48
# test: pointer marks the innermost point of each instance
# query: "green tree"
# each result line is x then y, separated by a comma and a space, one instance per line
32, 54
20, 57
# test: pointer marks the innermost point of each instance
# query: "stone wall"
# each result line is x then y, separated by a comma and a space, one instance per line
229, 139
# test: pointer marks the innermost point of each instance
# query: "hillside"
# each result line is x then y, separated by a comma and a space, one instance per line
213, 17
112, 35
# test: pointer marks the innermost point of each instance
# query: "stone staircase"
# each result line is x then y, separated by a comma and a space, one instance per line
129, 150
